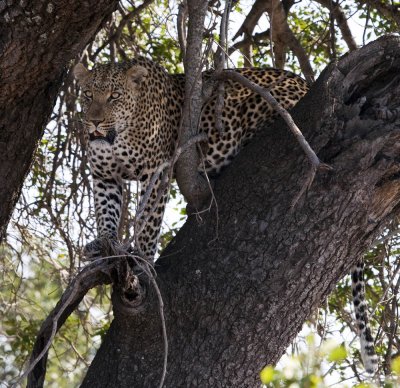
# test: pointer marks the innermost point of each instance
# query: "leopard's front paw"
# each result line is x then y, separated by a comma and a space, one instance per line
95, 249
103, 247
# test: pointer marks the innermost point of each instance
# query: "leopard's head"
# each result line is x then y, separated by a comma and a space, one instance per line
109, 96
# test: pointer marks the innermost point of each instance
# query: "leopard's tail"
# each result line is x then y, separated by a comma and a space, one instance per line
368, 355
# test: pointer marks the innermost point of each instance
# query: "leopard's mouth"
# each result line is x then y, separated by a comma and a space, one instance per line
109, 137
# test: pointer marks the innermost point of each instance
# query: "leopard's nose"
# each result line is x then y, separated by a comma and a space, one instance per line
96, 122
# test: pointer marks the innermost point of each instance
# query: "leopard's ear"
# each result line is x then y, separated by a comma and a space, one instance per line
136, 74
80, 72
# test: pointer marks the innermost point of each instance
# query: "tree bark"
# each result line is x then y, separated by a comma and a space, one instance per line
192, 185
238, 286
37, 39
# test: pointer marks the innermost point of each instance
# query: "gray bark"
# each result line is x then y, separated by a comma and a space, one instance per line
37, 39
238, 286
191, 184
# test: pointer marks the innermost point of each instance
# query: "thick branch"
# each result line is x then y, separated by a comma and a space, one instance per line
252, 18
254, 15
234, 304
282, 35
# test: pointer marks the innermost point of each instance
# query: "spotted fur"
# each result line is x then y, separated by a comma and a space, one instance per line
368, 355
132, 114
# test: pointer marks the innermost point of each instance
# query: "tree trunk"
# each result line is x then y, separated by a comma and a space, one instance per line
37, 39
238, 286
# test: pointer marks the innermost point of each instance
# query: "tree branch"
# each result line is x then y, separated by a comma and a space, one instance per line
257, 38
192, 185
220, 64
341, 20
389, 11
181, 26
283, 36
252, 18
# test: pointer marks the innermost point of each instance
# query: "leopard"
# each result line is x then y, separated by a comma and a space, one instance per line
131, 121
132, 113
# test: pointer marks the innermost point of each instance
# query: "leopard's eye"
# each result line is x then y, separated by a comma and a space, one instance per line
115, 95
88, 94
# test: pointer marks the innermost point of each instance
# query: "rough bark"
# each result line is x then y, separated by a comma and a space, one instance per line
37, 39
238, 286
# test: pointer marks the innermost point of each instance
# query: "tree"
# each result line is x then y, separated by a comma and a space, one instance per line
237, 294
254, 256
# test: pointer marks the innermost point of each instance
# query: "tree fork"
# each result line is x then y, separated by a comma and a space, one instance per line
235, 303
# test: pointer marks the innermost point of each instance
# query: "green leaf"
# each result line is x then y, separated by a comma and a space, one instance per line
396, 365
267, 374
338, 354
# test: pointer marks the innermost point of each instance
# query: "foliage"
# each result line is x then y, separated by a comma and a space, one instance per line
310, 369
29, 292
54, 218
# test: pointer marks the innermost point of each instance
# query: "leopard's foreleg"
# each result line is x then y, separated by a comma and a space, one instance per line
107, 202
150, 213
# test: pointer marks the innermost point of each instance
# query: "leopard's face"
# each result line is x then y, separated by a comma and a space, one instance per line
109, 97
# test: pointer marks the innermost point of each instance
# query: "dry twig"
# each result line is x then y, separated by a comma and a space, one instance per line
220, 65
